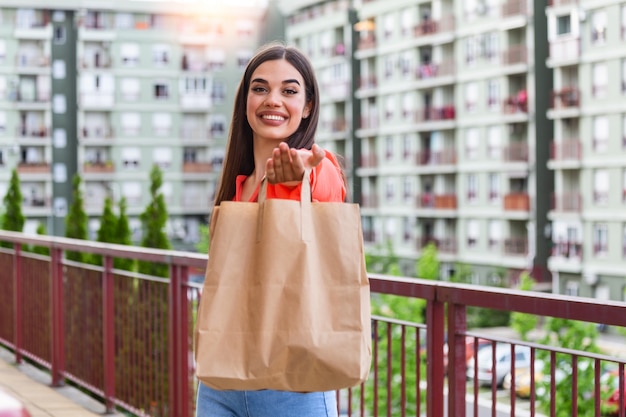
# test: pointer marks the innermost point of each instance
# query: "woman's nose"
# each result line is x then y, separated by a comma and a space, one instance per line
272, 99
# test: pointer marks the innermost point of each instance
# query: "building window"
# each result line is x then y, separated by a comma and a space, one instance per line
124, 21
494, 149
472, 141
471, 97
162, 124
493, 95
571, 288
564, 25
494, 187
600, 239
598, 27
162, 157
132, 192
161, 90
472, 233
472, 188
471, 49
218, 92
407, 148
245, 27
389, 145
130, 54
216, 58
131, 123
601, 186
131, 158
161, 54
600, 80
495, 233
407, 190
390, 189
218, 125
130, 89
243, 57
624, 242
3, 123
600, 133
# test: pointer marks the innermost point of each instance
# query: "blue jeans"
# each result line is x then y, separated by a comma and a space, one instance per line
264, 403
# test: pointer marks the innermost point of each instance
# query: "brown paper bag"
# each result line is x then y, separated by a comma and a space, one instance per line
285, 303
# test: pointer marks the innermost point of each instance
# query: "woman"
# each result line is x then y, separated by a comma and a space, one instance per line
272, 135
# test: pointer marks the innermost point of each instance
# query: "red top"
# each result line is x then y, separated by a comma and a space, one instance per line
326, 184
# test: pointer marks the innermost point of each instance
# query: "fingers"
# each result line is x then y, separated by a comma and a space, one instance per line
288, 165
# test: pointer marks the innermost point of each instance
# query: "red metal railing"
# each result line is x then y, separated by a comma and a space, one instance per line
126, 337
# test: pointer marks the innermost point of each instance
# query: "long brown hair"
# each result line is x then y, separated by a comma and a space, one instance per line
239, 159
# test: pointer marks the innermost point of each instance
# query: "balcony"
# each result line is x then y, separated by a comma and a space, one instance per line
567, 202
516, 54
434, 70
567, 249
25, 131
431, 27
435, 114
33, 168
567, 150
443, 157
70, 319
517, 202
514, 8
96, 132
444, 245
98, 167
515, 152
197, 167
563, 51
565, 98
516, 246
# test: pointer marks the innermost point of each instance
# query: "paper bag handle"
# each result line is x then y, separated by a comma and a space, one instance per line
306, 197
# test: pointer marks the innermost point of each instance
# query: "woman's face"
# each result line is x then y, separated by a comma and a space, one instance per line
276, 101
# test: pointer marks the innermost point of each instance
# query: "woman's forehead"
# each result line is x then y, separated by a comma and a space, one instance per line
277, 69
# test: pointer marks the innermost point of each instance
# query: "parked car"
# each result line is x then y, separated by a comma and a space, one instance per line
502, 368
11, 406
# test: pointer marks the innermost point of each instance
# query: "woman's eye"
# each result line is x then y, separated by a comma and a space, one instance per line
290, 91
258, 89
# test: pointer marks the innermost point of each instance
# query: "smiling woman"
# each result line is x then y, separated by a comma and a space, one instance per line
272, 137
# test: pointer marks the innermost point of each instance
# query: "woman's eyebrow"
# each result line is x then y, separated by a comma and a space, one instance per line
261, 80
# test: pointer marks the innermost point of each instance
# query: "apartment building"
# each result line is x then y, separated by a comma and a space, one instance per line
107, 92
444, 127
588, 155
459, 137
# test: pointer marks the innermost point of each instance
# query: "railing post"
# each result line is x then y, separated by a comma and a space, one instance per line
178, 340
108, 333
17, 301
457, 325
435, 372
58, 328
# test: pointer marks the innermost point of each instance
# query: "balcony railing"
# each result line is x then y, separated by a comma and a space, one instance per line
127, 337
567, 150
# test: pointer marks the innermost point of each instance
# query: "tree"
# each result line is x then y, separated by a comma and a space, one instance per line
154, 219
41, 250
123, 237
523, 323
76, 220
13, 218
203, 244
427, 266
108, 227
575, 335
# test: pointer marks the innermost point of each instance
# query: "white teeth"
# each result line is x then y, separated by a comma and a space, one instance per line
273, 117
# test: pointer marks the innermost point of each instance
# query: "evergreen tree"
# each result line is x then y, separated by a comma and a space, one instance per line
13, 218
108, 227
76, 220
123, 237
154, 219
41, 250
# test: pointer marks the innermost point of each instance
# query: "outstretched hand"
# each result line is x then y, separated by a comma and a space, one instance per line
288, 164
